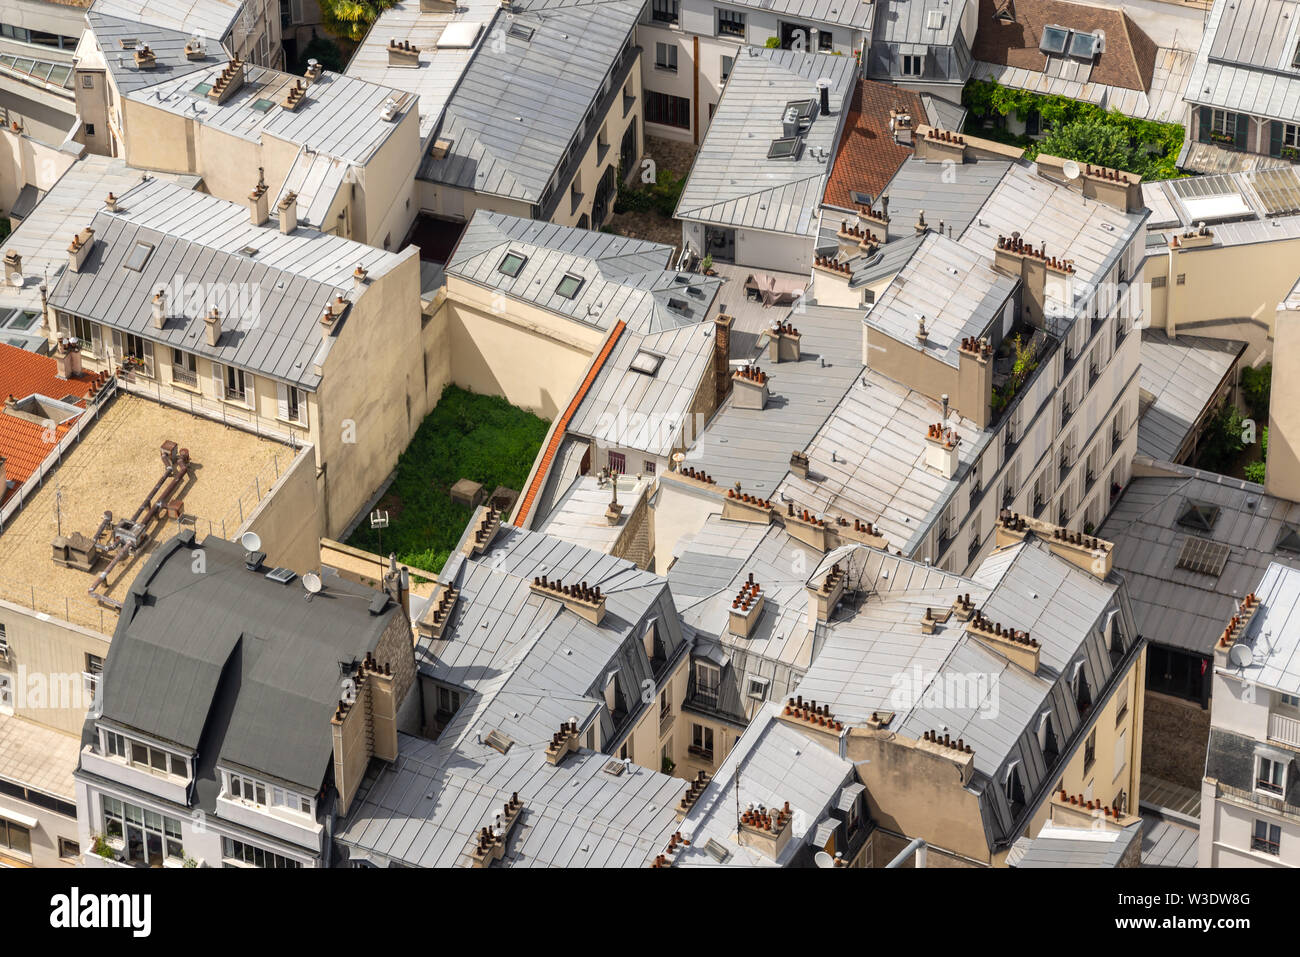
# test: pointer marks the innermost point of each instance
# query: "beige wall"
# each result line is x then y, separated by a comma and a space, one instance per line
534, 358
25, 161
46, 658
1283, 468
288, 519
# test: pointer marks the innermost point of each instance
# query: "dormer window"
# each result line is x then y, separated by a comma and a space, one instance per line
245, 789
1270, 775
1014, 790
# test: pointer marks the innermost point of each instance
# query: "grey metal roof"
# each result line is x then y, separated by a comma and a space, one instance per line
1274, 633
283, 287
854, 13
1167, 843
908, 21
236, 661
733, 182
209, 18
421, 812
441, 67
1174, 606
1244, 62
867, 461
949, 194
623, 279
1182, 374
167, 45
771, 764
339, 115
520, 103
954, 288
1079, 847
885, 262
753, 447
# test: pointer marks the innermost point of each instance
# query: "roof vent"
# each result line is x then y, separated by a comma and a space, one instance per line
194, 48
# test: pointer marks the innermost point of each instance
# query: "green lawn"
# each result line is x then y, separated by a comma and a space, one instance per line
478, 437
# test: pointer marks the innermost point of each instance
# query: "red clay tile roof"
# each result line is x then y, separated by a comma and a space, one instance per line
1129, 59
23, 444
868, 157
562, 425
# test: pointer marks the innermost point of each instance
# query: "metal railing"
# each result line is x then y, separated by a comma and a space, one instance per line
1284, 729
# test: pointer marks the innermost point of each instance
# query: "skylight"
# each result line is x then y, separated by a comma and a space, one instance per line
647, 363
934, 19
202, 89
512, 264
520, 32
784, 148
459, 35
1288, 540
1203, 556
1199, 516
263, 105
1054, 40
569, 286
138, 256
1084, 45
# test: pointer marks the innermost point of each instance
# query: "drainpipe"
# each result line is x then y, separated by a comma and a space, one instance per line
916, 847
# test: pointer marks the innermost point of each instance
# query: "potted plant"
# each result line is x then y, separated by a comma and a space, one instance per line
103, 848
707, 265
668, 765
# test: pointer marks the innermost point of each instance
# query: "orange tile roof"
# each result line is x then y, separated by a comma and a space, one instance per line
562, 425
868, 157
24, 445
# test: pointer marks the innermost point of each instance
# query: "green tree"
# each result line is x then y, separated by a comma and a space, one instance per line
1089, 140
351, 19
326, 52
1255, 470
1255, 386
1221, 442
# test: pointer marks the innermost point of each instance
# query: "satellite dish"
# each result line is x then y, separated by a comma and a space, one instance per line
1071, 169
822, 859
311, 582
1241, 656
251, 541
15, 278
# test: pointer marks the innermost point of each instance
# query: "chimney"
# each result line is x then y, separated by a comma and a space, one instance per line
1092, 554
746, 608
750, 385
1018, 258
587, 603
4, 482
67, 359
13, 265
941, 444
295, 97
783, 343
722, 356
228, 82
288, 209
824, 96
1115, 187
212, 326
259, 200
194, 48
823, 598
159, 303
358, 280
145, 58
80, 248
110, 203
314, 71
403, 53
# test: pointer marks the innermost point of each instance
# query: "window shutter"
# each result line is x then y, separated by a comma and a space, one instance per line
96, 339
217, 381
250, 390
1243, 132
1121, 751
118, 352
1205, 125
1275, 138
282, 397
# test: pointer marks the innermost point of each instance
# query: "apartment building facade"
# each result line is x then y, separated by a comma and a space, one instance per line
1250, 796
182, 773
38, 41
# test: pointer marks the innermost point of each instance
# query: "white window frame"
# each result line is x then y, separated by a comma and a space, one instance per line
668, 61
1270, 775
1223, 122
909, 60
233, 782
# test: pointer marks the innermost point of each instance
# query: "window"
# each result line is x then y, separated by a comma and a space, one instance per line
87, 81
1267, 837
236, 387
239, 854
1289, 700
667, 110
666, 57
727, 63
1159, 282
618, 463
1090, 751
83, 330
648, 467
147, 837
825, 41
1015, 793
912, 64
1290, 135
1181, 280
90, 129
1082, 693
245, 789
113, 744
702, 741
512, 264
185, 370
756, 688
731, 24
448, 702
1121, 701
708, 679
1223, 122
94, 669
68, 850
569, 286
1270, 775
156, 761
291, 801
1047, 737
140, 252
664, 11
15, 837
137, 349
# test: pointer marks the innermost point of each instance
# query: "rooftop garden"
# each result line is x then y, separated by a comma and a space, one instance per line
1074, 130
1013, 365
478, 437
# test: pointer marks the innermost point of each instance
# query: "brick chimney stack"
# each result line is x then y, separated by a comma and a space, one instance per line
722, 356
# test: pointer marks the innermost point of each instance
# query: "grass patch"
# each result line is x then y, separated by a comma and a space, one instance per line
478, 437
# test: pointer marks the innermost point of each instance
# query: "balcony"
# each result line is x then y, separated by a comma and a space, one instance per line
976, 493
1120, 332
1066, 412
1066, 465
665, 720
1284, 730
185, 377
704, 754
1040, 503
1089, 480
1008, 495
1093, 374
973, 550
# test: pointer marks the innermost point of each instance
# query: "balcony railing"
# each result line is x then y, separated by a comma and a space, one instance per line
665, 720
1089, 480
1008, 495
1040, 503
1063, 515
1093, 373
1116, 440
1284, 729
1066, 465
185, 377
1066, 412
973, 550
